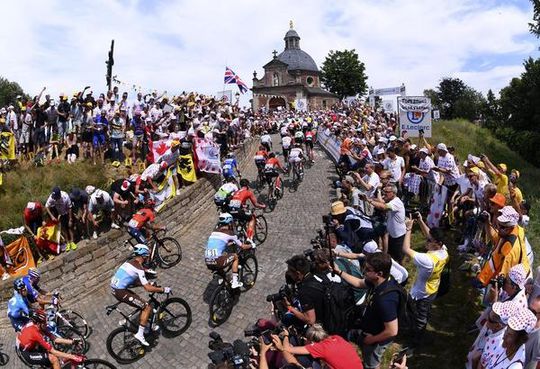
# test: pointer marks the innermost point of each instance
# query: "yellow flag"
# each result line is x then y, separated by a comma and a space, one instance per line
186, 168
7, 146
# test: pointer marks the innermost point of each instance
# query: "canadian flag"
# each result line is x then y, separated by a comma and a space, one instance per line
159, 148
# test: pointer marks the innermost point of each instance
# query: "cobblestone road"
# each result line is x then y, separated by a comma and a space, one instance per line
291, 226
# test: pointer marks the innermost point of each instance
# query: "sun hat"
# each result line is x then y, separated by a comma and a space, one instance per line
424, 150
371, 247
442, 147
338, 208
522, 320
518, 275
509, 217
498, 199
505, 309
502, 166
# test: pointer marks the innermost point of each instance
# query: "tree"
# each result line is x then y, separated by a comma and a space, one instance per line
469, 105
534, 26
9, 91
434, 97
450, 90
343, 74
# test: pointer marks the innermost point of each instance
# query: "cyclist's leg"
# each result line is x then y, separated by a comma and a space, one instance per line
55, 362
251, 227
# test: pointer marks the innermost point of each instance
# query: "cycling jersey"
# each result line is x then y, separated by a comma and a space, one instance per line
142, 217
217, 243
266, 139
18, 311
31, 338
286, 142
225, 191
240, 198
271, 165
129, 274
309, 136
32, 290
260, 156
299, 135
296, 155
228, 167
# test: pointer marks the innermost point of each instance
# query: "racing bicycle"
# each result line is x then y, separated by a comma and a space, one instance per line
171, 316
164, 251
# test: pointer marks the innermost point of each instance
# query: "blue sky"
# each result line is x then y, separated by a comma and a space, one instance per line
185, 45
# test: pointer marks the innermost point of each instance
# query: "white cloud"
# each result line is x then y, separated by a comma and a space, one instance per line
184, 45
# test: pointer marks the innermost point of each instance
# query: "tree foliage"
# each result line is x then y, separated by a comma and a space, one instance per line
455, 99
9, 91
534, 26
343, 74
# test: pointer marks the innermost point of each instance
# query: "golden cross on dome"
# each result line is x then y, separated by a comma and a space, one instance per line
291, 24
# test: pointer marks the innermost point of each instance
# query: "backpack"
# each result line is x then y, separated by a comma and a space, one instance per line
338, 302
407, 309
444, 285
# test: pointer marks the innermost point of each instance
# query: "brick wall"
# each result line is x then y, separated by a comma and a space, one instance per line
79, 273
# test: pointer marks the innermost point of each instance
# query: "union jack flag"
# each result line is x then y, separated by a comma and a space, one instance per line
231, 77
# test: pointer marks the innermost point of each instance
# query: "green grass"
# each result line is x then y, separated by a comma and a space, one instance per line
446, 342
30, 184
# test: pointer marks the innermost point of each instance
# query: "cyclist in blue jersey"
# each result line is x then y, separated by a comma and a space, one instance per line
217, 254
36, 294
18, 307
131, 274
229, 166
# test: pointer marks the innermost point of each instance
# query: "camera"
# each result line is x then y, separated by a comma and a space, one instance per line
483, 216
320, 241
416, 215
237, 353
285, 292
410, 211
498, 281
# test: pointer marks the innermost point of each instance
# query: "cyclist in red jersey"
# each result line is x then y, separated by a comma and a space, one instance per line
35, 349
142, 220
271, 170
237, 207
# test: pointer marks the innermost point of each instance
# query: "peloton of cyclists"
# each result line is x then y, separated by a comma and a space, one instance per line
237, 208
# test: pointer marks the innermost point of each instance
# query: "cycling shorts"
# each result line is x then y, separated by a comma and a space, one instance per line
137, 234
220, 262
241, 214
36, 357
129, 297
309, 144
295, 159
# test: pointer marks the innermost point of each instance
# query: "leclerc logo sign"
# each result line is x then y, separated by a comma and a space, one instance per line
414, 115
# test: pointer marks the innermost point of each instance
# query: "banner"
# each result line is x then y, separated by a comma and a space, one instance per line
330, 143
186, 168
388, 91
159, 148
21, 256
48, 238
414, 115
166, 191
7, 146
300, 104
388, 106
207, 156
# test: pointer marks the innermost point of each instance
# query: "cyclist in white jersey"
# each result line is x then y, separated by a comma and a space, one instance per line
131, 274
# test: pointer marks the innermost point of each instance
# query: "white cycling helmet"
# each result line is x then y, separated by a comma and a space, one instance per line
225, 218
141, 249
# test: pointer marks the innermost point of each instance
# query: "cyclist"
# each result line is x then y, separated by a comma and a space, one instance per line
260, 157
286, 142
223, 195
271, 170
309, 137
143, 220
132, 274
229, 166
18, 307
35, 349
296, 156
299, 137
266, 141
217, 254
36, 294
237, 207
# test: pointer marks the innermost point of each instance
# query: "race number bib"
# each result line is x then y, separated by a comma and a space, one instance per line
211, 254
237, 204
133, 223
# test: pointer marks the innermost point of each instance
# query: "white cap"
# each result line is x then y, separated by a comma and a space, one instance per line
424, 150
371, 247
392, 138
442, 147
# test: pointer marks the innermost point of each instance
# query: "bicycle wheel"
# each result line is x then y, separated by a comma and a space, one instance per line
221, 305
169, 252
174, 316
74, 320
261, 228
71, 333
272, 203
4, 359
92, 364
249, 271
123, 346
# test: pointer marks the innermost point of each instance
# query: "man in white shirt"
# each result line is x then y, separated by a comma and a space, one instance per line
100, 201
395, 165
370, 181
58, 207
395, 220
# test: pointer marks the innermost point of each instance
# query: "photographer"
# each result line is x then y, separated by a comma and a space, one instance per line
429, 266
349, 226
510, 288
332, 350
309, 294
379, 323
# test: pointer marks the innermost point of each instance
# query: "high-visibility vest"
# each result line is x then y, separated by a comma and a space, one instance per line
432, 283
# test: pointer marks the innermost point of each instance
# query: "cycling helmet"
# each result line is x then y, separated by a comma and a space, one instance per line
265, 132
225, 219
18, 284
244, 182
38, 316
230, 155
141, 250
34, 273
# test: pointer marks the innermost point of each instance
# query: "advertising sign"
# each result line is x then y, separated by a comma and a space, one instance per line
414, 115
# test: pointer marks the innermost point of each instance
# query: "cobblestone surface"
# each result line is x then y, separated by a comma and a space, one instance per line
291, 226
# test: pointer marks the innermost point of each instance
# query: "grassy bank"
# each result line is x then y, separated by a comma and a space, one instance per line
447, 343
30, 184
